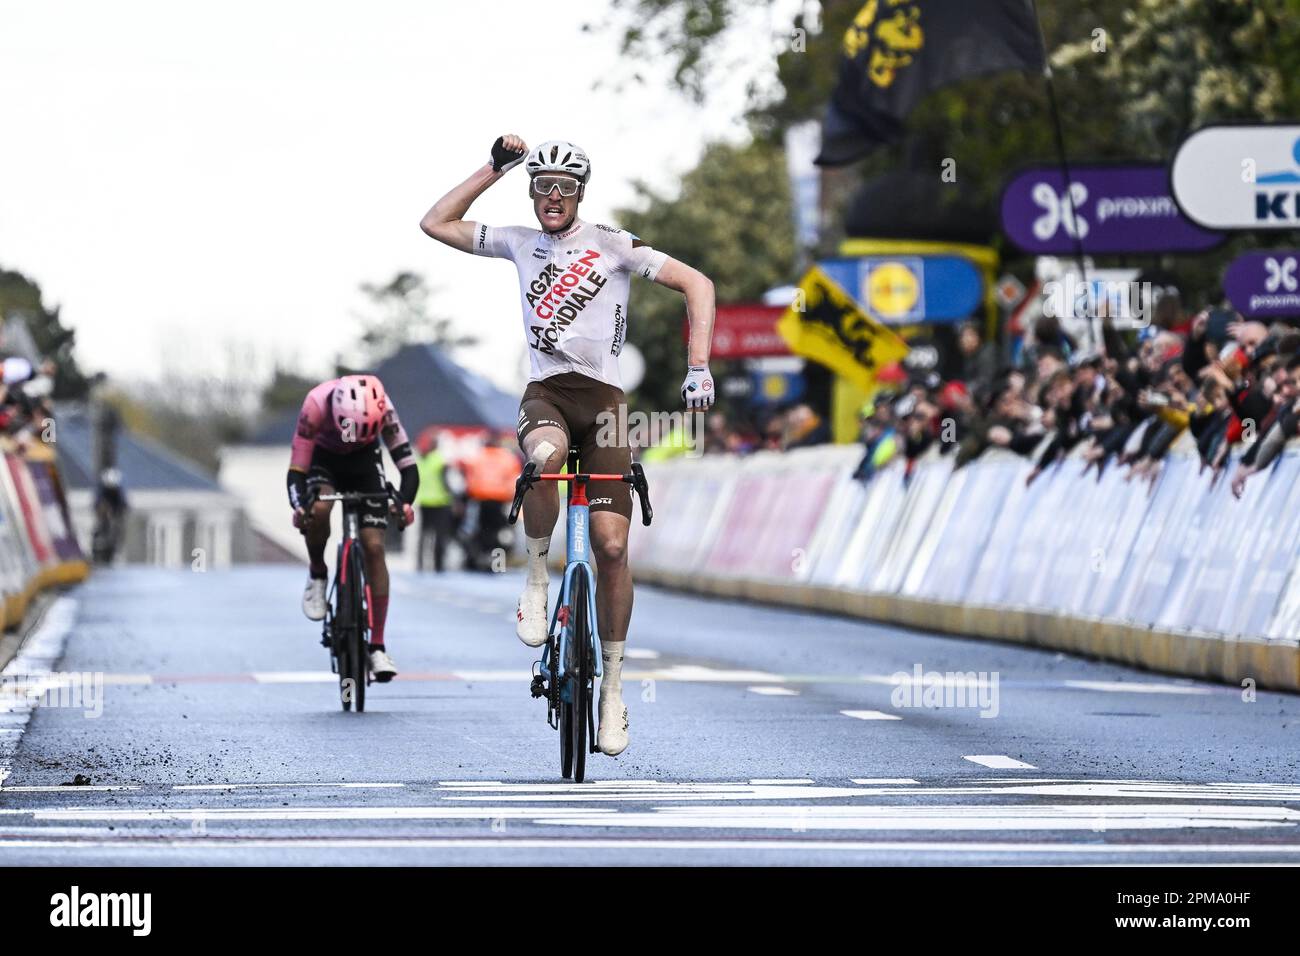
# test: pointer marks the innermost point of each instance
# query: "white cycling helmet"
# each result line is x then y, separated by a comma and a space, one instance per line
559, 156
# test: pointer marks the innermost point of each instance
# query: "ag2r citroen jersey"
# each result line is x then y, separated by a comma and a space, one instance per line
574, 289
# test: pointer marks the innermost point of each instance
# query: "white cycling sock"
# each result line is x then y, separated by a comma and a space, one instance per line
611, 656
537, 549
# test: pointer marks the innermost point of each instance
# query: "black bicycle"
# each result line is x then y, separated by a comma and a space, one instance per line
346, 629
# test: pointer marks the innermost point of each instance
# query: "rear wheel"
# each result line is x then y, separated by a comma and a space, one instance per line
361, 631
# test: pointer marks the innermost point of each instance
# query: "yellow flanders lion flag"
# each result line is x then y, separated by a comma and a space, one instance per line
832, 329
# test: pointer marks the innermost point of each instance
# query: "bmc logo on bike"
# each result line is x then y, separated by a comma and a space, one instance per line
579, 532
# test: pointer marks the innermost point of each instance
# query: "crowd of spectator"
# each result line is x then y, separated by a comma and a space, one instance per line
1123, 402
25, 411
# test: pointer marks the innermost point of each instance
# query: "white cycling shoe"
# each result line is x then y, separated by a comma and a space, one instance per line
530, 616
382, 668
611, 739
313, 599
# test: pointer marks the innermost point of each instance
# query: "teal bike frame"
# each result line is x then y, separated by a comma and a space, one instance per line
570, 659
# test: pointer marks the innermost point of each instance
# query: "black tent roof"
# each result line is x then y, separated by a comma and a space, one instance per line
428, 389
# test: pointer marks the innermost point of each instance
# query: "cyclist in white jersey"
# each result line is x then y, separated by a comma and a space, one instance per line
573, 286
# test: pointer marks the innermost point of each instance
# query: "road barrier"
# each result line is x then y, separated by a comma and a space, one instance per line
1178, 576
38, 548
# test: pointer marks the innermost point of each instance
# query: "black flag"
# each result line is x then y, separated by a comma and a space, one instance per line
897, 51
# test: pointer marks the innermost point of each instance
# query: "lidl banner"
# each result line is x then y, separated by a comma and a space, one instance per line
1264, 284
910, 289
825, 324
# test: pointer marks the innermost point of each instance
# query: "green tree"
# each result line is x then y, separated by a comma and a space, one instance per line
403, 315
285, 390
1132, 78
21, 297
731, 220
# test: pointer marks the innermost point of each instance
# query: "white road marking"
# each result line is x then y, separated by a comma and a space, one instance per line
774, 691
795, 817
483, 677
870, 715
654, 843
999, 762
256, 786
1121, 687
640, 654
67, 789
1061, 817
652, 792
213, 815
35, 661
762, 806
294, 677
696, 672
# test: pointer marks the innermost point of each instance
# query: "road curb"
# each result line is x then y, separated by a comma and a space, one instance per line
1272, 665
12, 642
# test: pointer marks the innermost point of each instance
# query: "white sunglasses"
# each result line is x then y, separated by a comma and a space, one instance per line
542, 185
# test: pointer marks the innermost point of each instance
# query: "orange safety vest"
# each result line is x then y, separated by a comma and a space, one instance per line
490, 475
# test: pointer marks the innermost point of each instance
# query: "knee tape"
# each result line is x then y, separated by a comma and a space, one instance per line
542, 453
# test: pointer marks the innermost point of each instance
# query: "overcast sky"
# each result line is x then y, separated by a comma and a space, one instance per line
179, 176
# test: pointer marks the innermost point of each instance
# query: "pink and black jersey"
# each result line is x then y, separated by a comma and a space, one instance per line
316, 428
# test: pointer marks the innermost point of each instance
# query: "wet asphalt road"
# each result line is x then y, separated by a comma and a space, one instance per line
759, 736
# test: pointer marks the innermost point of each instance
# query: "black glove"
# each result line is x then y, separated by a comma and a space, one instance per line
504, 159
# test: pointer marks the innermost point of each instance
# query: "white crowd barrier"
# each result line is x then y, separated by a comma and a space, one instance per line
1178, 575
37, 547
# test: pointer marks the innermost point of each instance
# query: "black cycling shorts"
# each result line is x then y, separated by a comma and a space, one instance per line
361, 471
579, 406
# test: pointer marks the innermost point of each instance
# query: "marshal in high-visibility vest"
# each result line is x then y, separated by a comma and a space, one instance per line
490, 474
433, 491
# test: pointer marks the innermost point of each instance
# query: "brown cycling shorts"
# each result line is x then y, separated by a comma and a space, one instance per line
580, 406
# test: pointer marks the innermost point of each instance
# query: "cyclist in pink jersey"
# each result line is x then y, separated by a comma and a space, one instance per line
336, 448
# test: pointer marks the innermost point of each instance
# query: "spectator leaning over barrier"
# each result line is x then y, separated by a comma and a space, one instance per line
878, 437
1008, 422
1284, 426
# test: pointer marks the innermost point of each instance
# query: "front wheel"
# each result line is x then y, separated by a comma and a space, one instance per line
566, 740
349, 632
579, 676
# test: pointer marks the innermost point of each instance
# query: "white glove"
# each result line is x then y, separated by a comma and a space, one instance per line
697, 390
